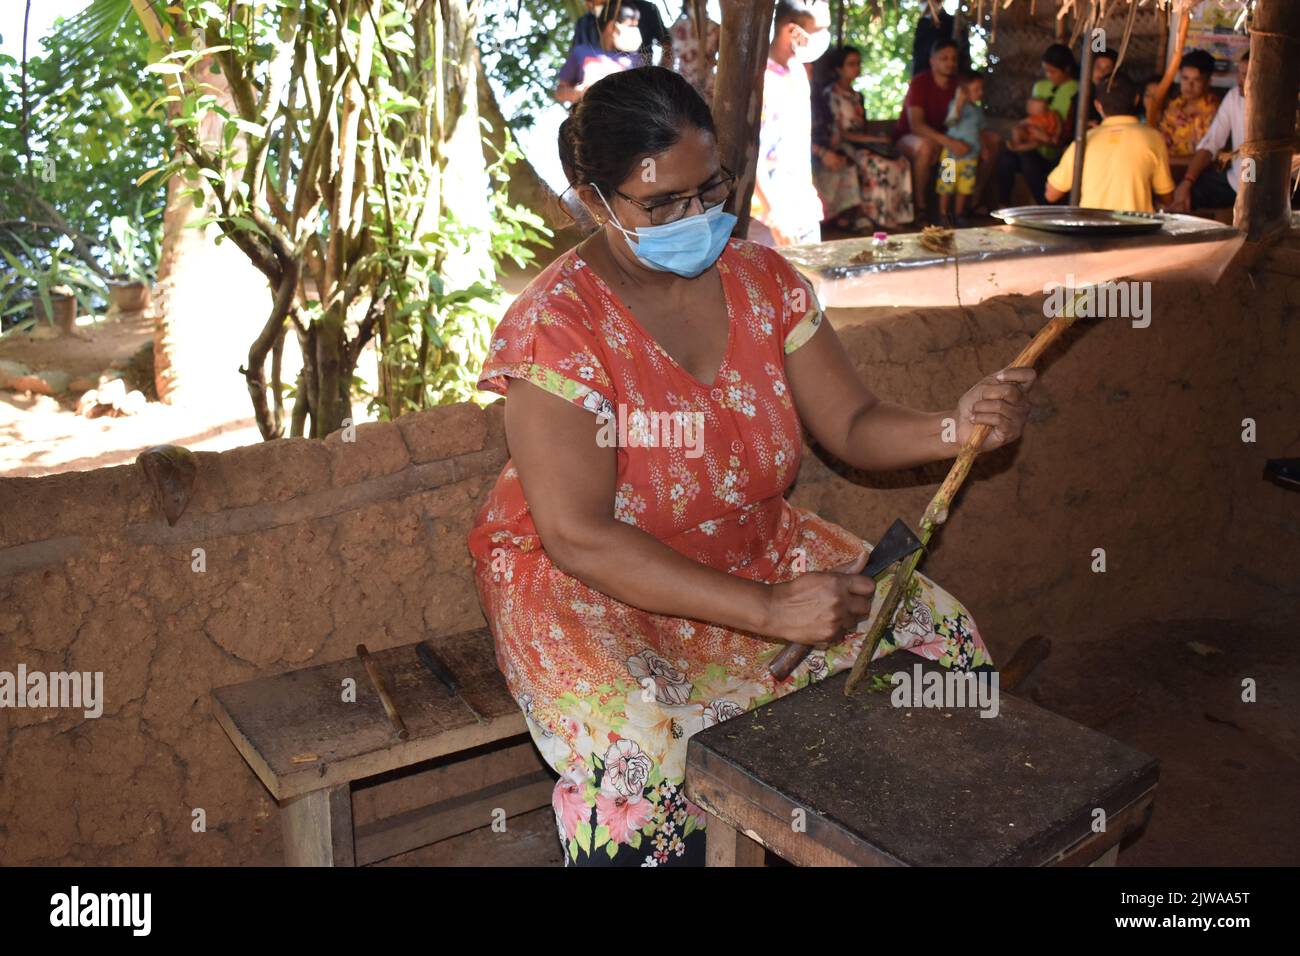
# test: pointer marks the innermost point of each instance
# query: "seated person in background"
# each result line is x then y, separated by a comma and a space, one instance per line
1042, 126
620, 41
957, 174
586, 32
878, 191
936, 23
920, 132
1124, 161
1204, 185
1060, 89
1187, 117
1103, 65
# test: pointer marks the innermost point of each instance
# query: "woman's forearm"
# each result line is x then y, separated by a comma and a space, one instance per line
637, 569
884, 436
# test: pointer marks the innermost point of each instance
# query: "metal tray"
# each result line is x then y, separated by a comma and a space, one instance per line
1080, 220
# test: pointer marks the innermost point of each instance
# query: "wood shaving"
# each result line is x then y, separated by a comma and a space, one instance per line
937, 239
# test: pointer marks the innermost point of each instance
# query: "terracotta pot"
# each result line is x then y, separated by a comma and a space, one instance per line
64, 304
128, 296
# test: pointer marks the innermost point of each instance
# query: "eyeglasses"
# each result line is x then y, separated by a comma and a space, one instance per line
670, 210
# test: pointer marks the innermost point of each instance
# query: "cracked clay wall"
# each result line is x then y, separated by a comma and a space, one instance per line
311, 546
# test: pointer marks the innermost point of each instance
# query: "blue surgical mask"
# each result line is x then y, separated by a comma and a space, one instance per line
686, 247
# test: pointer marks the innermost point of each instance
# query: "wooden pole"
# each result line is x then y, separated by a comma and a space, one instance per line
1083, 105
1171, 67
1264, 200
738, 94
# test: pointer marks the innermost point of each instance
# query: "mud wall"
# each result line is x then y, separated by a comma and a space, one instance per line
1135, 447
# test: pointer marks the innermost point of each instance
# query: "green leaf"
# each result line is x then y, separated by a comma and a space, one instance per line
169, 69
611, 849
602, 834
583, 836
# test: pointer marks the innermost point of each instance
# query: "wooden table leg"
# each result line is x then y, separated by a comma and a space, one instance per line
317, 828
727, 846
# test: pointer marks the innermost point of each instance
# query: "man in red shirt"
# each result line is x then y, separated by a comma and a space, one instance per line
920, 131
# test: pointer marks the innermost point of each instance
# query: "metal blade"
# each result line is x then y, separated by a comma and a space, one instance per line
898, 542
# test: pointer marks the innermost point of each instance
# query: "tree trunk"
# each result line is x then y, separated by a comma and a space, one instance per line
211, 301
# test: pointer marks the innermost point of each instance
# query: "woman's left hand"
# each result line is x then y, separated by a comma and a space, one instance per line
999, 401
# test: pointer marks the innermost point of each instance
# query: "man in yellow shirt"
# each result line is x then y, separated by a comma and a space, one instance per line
1125, 162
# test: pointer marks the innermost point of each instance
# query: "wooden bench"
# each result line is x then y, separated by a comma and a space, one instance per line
874, 785
309, 747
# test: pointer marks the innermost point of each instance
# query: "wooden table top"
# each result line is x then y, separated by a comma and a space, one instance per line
298, 734
882, 785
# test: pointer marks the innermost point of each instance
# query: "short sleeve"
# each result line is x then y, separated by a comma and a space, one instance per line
546, 337
1162, 180
801, 312
1062, 177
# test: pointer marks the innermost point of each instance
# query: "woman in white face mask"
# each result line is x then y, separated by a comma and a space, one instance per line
637, 561
619, 49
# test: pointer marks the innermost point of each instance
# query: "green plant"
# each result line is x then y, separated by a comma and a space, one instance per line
131, 248
71, 165
322, 136
35, 279
430, 352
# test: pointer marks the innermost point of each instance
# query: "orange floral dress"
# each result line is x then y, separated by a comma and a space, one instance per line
612, 692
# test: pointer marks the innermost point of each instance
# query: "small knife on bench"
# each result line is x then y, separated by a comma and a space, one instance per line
438, 667
897, 543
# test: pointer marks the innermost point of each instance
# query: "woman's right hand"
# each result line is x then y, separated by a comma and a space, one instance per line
818, 607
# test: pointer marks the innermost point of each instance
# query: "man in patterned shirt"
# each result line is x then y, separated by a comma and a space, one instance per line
1187, 117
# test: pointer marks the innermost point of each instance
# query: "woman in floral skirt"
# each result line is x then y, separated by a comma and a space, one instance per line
637, 561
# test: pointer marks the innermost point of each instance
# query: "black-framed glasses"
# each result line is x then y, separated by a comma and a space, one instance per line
670, 210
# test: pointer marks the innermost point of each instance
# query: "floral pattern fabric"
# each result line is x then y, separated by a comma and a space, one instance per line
884, 185
1184, 122
612, 693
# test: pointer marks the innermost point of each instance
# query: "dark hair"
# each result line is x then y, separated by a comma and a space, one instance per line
614, 12
1060, 56
625, 117
970, 76
1198, 60
790, 11
1118, 96
835, 59
941, 44
1106, 54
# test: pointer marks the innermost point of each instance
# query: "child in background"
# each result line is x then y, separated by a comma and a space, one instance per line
1040, 127
957, 173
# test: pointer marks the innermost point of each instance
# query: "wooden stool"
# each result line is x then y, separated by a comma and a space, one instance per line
308, 747
822, 779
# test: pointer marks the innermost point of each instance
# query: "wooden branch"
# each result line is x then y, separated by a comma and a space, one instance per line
1171, 68
75, 236
895, 587
738, 95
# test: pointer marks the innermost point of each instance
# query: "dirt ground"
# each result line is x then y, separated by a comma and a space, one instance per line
1229, 771
43, 434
